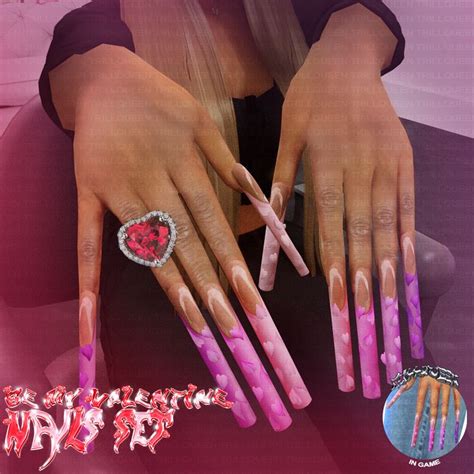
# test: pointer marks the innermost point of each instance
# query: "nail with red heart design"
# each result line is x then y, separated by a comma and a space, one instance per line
257, 198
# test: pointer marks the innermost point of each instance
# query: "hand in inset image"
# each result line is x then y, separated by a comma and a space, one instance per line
424, 417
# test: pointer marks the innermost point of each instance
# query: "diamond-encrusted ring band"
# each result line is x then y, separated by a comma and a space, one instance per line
148, 240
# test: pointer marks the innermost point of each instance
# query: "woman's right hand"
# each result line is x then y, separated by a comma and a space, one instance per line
136, 133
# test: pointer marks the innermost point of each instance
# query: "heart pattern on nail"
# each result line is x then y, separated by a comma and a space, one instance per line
222, 380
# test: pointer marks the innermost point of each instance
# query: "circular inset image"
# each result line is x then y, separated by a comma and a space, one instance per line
425, 418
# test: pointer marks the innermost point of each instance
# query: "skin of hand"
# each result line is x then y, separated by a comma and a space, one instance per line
435, 389
134, 151
337, 109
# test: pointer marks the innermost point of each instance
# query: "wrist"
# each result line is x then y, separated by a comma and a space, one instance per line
354, 40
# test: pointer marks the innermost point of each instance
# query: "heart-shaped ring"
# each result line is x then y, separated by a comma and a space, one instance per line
148, 240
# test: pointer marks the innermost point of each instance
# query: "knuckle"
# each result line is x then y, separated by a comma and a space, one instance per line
128, 210
88, 251
407, 204
184, 234
360, 228
201, 203
385, 218
329, 199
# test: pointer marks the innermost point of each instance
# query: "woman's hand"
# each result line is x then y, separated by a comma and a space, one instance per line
362, 169
136, 133
437, 391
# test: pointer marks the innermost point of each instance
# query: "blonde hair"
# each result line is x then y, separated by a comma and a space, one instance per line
175, 38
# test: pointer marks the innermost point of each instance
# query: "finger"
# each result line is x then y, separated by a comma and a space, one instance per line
89, 251
329, 206
208, 215
288, 159
400, 392
406, 199
457, 411
384, 221
420, 403
252, 190
445, 394
194, 260
357, 193
178, 293
434, 400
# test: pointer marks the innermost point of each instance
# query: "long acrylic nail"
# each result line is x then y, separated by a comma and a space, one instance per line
87, 344
341, 331
442, 433
257, 198
271, 247
395, 397
456, 427
391, 327
270, 338
367, 337
250, 364
431, 437
214, 359
416, 426
412, 295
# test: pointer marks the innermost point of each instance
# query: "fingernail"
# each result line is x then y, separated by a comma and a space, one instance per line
270, 338
225, 317
367, 337
442, 433
260, 202
456, 427
248, 361
414, 436
190, 310
412, 295
87, 344
432, 434
390, 321
87, 317
225, 379
341, 331
271, 247
395, 398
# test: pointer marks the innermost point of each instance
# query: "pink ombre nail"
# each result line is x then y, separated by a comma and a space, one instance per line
431, 437
221, 372
442, 433
261, 204
271, 340
391, 325
250, 364
456, 427
341, 331
271, 247
367, 338
412, 295
416, 426
87, 347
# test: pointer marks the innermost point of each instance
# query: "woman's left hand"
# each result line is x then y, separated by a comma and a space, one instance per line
362, 168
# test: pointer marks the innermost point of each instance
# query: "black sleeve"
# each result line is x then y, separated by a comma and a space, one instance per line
81, 30
314, 14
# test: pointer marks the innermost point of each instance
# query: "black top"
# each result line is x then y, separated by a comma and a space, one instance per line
258, 118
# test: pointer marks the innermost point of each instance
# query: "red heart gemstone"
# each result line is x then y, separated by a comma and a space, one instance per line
148, 240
